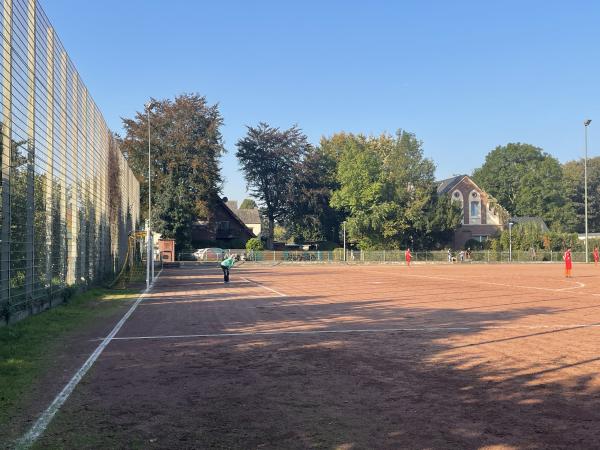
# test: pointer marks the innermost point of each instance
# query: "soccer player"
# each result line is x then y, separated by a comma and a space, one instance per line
596, 255
568, 262
407, 256
227, 264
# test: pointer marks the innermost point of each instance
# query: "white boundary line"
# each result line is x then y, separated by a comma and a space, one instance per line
265, 287
374, 330
580, 284
44, 420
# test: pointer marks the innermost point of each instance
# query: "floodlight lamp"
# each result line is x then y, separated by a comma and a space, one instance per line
587, 122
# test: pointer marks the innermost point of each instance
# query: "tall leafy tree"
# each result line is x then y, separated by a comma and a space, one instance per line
270, 158
186, 145
173, 211
544, 193
503, 169
309, 215
440, 217
574, 175
526, 181
386, 186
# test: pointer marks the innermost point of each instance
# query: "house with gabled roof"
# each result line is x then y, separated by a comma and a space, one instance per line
483, 218
250, 216
223, 227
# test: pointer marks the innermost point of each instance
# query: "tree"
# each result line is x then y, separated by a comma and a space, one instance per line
173, 211
525, 236
248, 203
269, 158
186, 145
544, 193
527, 182
387, 189
254, 244
440, 218
574, 175
309, 216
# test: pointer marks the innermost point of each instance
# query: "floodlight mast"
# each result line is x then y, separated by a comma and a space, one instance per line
510, 225
344, 224
586, 124
150, 244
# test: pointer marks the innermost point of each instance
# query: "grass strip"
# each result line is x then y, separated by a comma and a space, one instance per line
29, 346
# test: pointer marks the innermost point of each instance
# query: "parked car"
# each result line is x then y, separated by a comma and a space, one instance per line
209, 254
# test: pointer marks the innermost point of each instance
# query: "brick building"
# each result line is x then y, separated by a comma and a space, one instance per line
224, 228
483, 217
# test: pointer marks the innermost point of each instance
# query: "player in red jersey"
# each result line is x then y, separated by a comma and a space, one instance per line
407, 256
568, 262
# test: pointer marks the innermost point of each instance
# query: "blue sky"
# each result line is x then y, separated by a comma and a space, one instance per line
464, 76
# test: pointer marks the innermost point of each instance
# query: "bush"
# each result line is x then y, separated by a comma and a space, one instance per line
559, 241
254, 244
530, 235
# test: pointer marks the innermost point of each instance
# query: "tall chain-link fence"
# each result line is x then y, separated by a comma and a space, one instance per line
68, 197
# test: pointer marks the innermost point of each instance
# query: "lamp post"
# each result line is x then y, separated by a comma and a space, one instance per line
586, 123
344, 225
150, 244
510, 225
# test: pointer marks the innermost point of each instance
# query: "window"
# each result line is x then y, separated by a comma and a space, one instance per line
475, 213
475, 209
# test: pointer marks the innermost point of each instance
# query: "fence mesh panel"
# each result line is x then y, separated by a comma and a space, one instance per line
383, 256
68, 197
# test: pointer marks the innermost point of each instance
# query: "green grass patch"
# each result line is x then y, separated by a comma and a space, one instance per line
29, 346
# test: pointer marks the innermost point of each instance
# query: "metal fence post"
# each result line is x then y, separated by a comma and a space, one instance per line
29, 225
5, 152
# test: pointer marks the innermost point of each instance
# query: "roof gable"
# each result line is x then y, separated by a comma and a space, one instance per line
445, 186
448, 184
233, 215
248, 215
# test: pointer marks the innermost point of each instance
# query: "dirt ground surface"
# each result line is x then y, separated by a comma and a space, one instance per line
349, 357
